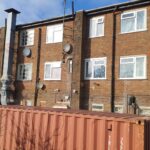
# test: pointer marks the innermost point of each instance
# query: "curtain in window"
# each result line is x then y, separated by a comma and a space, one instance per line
49, 36
127, 70
58, 35
99, 71
88, 69
30, 37
56, 73
139, 67
92, 27
99, 29
47, 71
140, 20
128, 25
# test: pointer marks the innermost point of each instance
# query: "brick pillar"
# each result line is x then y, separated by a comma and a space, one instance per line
77, 59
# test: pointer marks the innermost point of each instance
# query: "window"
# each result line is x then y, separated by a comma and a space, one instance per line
118, 108
52, 71
145, 110
97, 107
70, 66
27, 37
133, 67
95, 68
54, 33
133, 21
24, 72
96, 27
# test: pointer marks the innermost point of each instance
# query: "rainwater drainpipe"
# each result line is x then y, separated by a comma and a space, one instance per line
113, 62
6, 79
37, 68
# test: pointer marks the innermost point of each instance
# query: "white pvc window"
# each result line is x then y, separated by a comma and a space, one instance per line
118, 108
27, 37
96, 27
52, 71
24, 72
54, 33
97, 107
95, 68
145, 110
133, 21
133, 67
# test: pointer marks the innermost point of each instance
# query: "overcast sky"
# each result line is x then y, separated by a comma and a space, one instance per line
36, 10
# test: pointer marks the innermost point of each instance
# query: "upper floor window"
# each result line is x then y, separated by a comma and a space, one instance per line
133, 67
133, 21
24, 72
96, 27
54, 33
52, 71
27, 37
95, 68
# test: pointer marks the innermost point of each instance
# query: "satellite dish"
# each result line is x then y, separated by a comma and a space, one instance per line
26, 52
40, 85
67, 48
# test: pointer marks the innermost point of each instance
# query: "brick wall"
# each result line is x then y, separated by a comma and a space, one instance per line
88, 91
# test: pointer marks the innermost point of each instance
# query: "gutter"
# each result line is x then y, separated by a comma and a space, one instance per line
44, 22
37, 68
123, 6
102, 10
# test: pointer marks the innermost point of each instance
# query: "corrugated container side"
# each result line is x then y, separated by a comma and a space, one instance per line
29, 129
147, 135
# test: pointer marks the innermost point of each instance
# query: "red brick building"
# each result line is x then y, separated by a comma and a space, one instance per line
97, 60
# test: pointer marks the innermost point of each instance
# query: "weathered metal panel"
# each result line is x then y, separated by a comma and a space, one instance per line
29, 128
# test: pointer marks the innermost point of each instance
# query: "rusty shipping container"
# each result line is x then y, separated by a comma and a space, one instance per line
30, 128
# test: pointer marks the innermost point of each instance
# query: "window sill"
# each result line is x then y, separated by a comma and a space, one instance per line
96, 79
54, 42
92, 37
144, 30
133, 79
26, 45
52, 79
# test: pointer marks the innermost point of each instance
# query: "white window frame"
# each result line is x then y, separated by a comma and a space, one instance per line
135, 15
144, 108
93, 60
134, 76
99, 105
53, 64
19, 78
53, 28
119, 106
95, 27
26, 38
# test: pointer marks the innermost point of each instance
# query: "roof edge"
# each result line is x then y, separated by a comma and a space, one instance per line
111, 8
